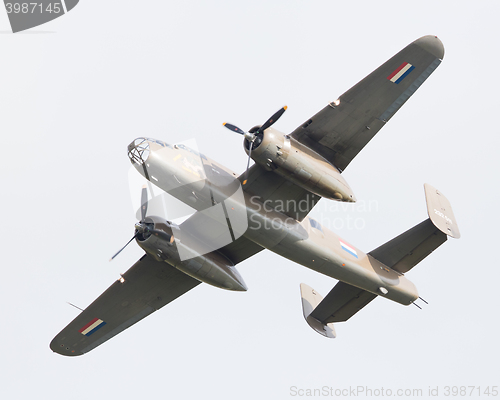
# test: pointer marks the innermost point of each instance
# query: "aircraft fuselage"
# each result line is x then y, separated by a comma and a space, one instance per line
200, 182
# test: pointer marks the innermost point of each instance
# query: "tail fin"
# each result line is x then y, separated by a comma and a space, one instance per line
406, 250
440, 212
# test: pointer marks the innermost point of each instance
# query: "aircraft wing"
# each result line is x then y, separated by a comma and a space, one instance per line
205, 233
148, 285
344, 127
241, 249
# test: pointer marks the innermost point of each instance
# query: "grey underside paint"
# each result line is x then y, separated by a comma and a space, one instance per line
148, 285
406, 250
342, 303
340, 132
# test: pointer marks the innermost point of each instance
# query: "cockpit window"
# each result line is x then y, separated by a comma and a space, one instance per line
181, 146
162, 144
315, 224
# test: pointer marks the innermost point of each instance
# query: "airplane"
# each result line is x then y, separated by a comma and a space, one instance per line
266, 207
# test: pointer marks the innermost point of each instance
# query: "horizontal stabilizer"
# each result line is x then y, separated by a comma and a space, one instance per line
310, 300
342, 303
339, 305
406, 250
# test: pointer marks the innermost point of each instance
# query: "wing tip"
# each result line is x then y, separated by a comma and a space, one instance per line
432, 44
65, 350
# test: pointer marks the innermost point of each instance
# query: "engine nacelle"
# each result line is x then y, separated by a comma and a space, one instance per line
212, 268
299, 164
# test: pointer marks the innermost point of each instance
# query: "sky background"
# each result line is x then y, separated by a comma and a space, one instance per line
76, 91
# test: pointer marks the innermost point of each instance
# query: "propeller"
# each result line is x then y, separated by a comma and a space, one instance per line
273, 119
252, 136
119, 251
143, 227
144, 202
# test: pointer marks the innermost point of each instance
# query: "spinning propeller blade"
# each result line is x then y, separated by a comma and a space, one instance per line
272, 120
144, 202
119, 251
142, 227
233, 128
248, 163
144, 209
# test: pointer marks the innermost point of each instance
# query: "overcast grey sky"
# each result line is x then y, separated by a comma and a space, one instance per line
76, 91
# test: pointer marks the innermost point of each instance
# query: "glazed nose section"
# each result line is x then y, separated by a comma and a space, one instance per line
138, 151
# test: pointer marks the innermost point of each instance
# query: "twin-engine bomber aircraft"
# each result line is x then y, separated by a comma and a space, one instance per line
266, 208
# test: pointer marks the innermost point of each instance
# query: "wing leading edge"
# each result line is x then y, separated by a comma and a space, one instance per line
341, 130
147, 286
